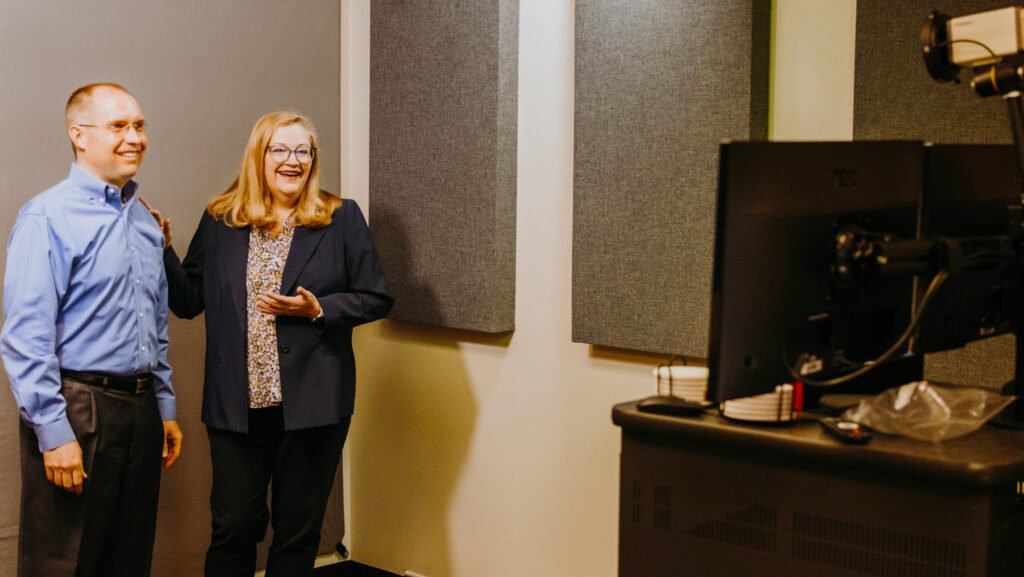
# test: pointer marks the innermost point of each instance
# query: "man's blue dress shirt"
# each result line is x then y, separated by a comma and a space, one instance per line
84, 290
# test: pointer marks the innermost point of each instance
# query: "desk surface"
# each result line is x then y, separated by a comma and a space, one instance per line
988, 457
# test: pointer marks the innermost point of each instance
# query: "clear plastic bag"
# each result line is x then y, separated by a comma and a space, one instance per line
929, 412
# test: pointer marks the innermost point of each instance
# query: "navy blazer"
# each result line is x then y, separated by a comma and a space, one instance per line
337, 263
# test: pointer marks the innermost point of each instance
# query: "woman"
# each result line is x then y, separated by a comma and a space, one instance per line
283, 271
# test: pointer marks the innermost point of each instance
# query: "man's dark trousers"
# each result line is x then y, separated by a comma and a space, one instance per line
107, 530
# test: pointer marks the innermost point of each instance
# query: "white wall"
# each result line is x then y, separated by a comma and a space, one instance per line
472, 456
812, 69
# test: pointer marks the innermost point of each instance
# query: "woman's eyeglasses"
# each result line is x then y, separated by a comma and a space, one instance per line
280, 153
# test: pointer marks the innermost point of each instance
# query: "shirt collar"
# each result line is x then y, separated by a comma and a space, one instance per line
96, 188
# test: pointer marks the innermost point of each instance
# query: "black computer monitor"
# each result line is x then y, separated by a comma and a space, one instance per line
774, 297
968, 189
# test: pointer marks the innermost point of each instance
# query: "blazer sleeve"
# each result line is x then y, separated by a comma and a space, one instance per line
367, 298
185, 279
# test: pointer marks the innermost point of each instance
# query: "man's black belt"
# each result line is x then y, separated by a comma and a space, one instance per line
136, 384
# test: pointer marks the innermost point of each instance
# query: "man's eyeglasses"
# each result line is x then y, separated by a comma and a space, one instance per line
120, 127
280, 153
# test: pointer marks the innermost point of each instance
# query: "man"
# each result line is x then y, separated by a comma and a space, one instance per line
85, 346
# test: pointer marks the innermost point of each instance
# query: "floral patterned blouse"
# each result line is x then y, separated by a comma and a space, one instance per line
267, 255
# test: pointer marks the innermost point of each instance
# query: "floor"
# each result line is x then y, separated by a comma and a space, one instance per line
350, 569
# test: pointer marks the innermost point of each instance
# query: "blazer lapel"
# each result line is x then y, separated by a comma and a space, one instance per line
304, 243
236, 259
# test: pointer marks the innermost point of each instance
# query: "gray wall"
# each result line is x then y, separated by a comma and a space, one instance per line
659, 83
203, 71
894, 97
443, 86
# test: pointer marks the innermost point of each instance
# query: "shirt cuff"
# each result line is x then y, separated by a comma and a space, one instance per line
319, 320
167, 409
53, 435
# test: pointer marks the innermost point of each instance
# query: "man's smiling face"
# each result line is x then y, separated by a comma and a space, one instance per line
108, 136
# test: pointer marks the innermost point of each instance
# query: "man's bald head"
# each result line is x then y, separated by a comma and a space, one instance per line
78, 102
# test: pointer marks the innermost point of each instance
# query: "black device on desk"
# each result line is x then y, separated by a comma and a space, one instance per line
669, 405
816, 252
775, 294
968, 189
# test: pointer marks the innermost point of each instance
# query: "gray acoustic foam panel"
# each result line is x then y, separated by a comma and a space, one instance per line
896, 98
443, 85
659, 83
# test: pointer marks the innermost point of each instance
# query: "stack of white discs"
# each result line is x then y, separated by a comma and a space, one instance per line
685, 382
773, 407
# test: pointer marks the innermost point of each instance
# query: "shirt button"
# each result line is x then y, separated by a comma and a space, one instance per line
285, 349
143, 349
140, 315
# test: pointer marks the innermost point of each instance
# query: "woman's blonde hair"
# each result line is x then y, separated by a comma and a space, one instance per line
247, 202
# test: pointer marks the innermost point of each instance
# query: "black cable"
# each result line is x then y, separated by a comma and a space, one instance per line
933, 287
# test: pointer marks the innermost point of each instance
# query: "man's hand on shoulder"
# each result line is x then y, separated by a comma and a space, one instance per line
172, 443
64, 467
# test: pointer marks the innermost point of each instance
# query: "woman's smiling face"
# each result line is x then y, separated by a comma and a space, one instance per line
286, 179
